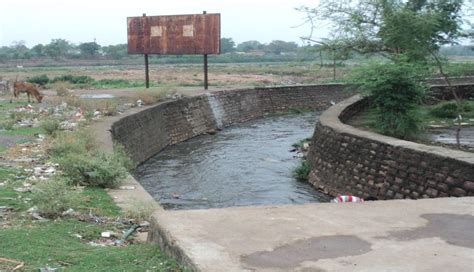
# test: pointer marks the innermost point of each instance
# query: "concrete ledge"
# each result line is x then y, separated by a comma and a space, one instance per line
345, 159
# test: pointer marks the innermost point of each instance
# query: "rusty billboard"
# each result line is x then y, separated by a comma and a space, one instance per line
196, 34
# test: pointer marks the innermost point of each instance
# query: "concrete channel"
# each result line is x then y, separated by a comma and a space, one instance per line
396, 235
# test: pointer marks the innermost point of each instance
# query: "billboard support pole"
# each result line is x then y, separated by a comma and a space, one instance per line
206, 82
147, 74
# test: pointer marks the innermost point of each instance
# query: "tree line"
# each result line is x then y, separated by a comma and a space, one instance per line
62, 49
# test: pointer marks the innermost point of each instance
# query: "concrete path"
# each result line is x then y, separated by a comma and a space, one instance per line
397, 235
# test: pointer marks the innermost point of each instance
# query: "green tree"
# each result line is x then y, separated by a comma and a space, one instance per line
415, 28
38, 50
118, 51
250, 46
406, 32
57, 48
395, 90
227, 45
89, 49
19, 50
277, 47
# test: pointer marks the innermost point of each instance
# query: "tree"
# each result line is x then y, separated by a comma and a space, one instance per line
227, 45
118, 51
19, 50
57, 48
277, 47
38, 50
409, 31
249, 46
89, 49
415, 28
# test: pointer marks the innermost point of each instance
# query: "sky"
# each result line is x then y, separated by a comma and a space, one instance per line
40, 21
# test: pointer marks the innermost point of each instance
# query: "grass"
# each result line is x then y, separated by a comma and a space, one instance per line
301, 143
53, 244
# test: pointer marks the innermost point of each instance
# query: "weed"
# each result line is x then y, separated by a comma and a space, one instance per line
54, 196
67, 142
7, 124
140, 210
50, 126
152, 96
302, 172
62, 88
97, 169
301, 143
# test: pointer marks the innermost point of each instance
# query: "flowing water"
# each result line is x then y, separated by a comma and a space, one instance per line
247, 164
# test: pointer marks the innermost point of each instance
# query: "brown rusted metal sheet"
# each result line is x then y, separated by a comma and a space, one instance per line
174, 35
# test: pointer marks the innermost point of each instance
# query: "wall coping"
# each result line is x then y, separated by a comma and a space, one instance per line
331, 118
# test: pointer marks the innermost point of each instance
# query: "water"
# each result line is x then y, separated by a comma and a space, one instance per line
248, 164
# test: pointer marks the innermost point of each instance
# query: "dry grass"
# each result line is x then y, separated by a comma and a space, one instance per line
62, 88
153, 95
106, 106
140, 210
220, 75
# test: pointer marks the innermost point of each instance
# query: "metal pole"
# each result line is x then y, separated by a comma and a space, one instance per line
206, 83
147, 76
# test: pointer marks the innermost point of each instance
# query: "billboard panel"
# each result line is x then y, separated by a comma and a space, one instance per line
196, 34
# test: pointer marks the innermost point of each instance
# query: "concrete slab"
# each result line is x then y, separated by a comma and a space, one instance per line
397, 235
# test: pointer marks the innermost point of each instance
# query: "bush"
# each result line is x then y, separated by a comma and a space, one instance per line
41, 80
50, 126
449, 109
55, 196
98, 169
62, 88
74, 79
395, 91
7, 124
302, 172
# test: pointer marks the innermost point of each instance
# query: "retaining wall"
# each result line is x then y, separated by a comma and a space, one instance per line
146, 133
346, 160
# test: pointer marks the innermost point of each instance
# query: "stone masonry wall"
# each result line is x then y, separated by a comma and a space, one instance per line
146, 133
346, 160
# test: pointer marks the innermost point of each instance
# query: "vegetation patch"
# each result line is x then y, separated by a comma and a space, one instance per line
302, 171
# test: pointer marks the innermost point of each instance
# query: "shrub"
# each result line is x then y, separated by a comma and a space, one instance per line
53, 197
62, 88
7, 124
449, 109
395, 91
98, 169
302, 172
41, 80
74, 79
50, 126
